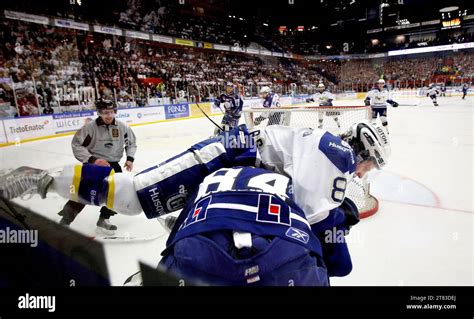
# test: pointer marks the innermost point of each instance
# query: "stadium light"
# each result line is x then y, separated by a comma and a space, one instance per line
448, 9
265, 24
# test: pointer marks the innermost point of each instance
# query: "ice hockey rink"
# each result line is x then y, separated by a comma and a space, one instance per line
421, 235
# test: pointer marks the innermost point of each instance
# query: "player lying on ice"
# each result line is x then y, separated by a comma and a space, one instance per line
257, 207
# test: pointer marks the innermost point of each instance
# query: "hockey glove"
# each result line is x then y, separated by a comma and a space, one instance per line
351, 213
367, 102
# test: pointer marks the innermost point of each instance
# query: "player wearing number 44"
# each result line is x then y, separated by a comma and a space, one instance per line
256, 206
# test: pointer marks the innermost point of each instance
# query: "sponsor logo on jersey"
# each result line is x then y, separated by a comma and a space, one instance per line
115, 132
297, 234
176, 202
340, 147
154, 195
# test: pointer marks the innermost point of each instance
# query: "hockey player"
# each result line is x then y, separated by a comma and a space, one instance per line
443, 90
465, 88
232, 104
378, 98
270, 100
324, 98
266, 225
433, 93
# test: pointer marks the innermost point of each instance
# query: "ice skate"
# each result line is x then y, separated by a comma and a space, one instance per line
24, 180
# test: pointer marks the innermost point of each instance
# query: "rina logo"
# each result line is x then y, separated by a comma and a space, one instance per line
37, 302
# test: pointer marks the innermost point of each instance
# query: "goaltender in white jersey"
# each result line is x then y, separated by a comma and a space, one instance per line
333, 162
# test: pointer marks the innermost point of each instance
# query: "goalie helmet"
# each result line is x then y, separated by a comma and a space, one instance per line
369, 142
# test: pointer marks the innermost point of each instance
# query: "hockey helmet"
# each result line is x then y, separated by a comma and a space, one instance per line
103, 104
369, 142
265, 90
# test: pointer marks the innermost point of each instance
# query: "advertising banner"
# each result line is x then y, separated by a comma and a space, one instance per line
62, 23
161, 38
176, 111
20, 129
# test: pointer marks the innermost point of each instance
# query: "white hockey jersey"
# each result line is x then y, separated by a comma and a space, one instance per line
378, 98
320, 164
323, 99
433, 91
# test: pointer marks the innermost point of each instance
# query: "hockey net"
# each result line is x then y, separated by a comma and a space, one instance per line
336, 120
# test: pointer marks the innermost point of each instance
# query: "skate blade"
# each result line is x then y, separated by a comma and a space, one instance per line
102, 231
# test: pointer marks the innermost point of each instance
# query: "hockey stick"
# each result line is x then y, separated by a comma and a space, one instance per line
125, 239
220, 128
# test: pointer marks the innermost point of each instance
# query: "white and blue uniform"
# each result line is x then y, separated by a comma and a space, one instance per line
248, 230
233, 105
433, 93
302, 181
319, 163
378, 99
325, 98
272, 100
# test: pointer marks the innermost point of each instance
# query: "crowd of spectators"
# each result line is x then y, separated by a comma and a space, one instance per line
54, 64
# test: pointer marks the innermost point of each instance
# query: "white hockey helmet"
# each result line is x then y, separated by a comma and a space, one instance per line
369, 142
381, 81
321, 85
265, 90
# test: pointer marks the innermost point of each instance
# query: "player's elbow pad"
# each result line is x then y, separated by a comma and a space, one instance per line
166, 187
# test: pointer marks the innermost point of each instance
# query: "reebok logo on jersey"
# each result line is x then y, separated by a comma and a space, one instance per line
297, 234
